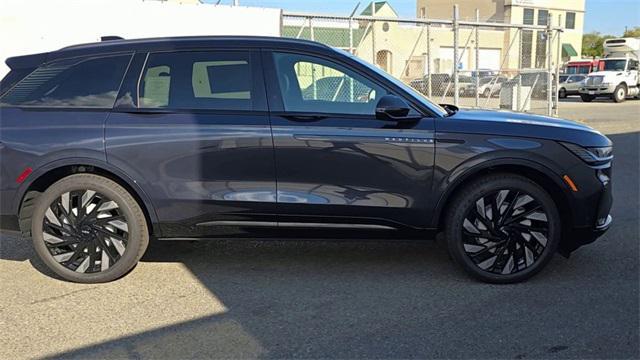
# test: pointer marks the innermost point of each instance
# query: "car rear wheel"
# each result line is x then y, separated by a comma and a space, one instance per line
486, 93
87, 228
503, 229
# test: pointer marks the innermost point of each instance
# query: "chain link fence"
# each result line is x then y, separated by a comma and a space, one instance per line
468, 63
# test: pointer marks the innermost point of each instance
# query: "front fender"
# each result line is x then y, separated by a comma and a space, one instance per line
479, 164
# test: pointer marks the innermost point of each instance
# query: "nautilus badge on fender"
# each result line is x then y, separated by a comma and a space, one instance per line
24, 174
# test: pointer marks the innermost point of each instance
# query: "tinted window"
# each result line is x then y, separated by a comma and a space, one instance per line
199, 80
543, 16
77, 82
527, 17
571, 20
310, 84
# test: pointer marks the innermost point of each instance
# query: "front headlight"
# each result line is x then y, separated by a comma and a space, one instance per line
591, 155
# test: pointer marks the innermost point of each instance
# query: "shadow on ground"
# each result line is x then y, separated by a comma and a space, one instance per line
399, 299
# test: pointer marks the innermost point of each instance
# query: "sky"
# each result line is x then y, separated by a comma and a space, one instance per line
605, 16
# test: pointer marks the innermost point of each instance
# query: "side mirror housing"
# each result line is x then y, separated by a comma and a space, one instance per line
392, 108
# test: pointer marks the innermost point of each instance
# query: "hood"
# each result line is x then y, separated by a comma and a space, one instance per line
606, 74
510, 123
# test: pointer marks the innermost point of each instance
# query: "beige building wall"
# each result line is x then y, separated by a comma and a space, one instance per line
490, 10
401, 49
512, 12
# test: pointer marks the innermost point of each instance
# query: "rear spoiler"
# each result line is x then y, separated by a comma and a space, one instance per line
26, 61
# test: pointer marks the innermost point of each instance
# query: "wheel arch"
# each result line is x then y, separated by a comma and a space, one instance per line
46, 175
532, 170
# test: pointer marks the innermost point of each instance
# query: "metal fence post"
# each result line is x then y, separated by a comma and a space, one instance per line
558, 60
430, 78
477, 28
519, 74
549, 68
373, 43
456, 14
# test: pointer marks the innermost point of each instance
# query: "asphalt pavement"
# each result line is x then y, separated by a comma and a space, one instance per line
301, 299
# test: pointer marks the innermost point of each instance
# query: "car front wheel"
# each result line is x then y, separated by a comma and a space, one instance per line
87, 228
503, 228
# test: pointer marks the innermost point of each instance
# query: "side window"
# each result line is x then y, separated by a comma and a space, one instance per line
211, 80
311, 84
78, 82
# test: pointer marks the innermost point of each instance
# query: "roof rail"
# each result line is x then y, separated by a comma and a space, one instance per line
111, 38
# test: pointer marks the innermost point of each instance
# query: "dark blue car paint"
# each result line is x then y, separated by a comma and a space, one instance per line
222, 173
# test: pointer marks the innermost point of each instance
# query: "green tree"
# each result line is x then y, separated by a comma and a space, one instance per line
592, 44
633, 32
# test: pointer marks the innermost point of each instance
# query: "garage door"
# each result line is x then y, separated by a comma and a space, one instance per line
490, 59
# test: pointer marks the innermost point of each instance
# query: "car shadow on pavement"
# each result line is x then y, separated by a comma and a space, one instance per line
393, 299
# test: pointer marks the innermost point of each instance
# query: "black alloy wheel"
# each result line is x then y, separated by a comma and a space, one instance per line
85, 231
87, 228
505, 232
503, 228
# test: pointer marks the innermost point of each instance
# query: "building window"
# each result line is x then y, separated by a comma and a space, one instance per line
528, 17
571, 20
527, 44
543, 16
541, 49
423, 12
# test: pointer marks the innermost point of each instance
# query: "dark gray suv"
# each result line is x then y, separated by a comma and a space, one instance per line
105, 146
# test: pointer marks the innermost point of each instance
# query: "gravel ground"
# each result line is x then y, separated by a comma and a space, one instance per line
341, 300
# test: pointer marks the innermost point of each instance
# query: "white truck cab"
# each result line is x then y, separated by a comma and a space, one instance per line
619, 78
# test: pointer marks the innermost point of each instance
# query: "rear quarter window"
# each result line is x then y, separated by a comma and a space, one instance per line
86, 82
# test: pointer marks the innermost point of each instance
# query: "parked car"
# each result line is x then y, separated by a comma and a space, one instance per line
108, 146
570, 85
439, 84
535, 81
336, 88
488, 86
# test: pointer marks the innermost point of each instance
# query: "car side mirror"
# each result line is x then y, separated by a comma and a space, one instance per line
393, 108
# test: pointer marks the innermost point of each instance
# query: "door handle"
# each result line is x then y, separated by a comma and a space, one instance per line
304, 117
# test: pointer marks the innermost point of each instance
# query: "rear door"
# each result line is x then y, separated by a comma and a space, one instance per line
193, 130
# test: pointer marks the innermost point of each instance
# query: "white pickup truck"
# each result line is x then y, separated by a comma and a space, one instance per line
619, 79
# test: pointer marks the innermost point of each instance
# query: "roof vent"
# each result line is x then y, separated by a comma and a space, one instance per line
110, 38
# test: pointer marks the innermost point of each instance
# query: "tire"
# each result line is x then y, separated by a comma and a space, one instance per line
620, 93
88, 229
510, 251
562, 94
587, 98
486, 93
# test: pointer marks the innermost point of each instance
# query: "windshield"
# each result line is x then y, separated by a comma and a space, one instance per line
615, 65
433, 106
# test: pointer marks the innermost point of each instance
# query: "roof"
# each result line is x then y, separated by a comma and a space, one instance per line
166, 43
374, 7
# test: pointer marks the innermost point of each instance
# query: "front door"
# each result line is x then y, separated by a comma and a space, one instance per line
195, 136
337, 165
